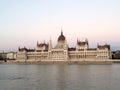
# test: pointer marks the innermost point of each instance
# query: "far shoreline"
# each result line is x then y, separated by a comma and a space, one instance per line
62, 62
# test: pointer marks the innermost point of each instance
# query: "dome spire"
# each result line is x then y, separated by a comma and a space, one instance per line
61, 37
61, 32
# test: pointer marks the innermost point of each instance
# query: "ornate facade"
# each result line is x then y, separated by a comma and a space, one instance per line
62, 52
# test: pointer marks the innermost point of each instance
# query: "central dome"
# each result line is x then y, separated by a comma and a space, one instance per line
61, 37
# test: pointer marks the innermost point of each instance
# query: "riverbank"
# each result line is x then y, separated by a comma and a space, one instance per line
61, 62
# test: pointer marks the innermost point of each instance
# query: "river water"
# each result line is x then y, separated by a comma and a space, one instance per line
59, 77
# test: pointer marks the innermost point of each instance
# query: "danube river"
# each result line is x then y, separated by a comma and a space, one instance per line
59, 77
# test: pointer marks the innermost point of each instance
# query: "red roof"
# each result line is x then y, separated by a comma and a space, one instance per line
82, 43
42, 44
30, 50
104, 46
71, 49
61, 37
23, 49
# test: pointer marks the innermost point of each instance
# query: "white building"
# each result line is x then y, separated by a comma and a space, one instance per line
11, 56
61, 52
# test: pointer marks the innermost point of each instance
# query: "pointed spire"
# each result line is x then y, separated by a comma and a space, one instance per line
77, 41
37, 43
97, 44
50, 44
19, 48
86, 40
61, 32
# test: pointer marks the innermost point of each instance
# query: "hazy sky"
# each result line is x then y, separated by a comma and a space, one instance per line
24, 22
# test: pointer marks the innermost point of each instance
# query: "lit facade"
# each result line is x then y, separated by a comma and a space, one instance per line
62, 52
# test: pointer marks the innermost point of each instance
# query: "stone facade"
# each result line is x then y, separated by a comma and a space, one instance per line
62, 52
11, 56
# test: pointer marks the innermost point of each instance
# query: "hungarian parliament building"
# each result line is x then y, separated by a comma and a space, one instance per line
62, 52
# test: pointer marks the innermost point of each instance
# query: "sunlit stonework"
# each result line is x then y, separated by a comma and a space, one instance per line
62, 52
